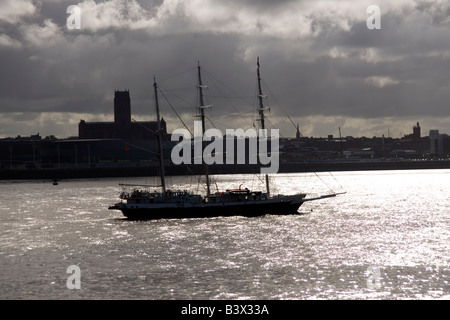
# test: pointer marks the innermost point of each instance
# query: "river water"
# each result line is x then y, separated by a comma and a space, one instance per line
388, 237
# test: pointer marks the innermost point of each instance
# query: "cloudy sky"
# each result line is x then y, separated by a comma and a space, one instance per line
321, 66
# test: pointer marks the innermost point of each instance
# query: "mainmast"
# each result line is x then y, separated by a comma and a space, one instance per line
161, 156
202, 115
261, 114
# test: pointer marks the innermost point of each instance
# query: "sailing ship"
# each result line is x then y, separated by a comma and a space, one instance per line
142, 204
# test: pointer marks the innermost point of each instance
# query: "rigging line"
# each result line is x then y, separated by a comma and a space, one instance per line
210, 121
271, 94
234, 115
324, 182
265, 86
176, 75
181, 88
255, 107
281, 134
227, 87
273, 127
227, 97
220, 126
315, 173
261, 179
148, 129
193, 174
342, 188
331, 174
184, 124
177, 96
276, 100
189, 169
230, 102
143, 149
216, 124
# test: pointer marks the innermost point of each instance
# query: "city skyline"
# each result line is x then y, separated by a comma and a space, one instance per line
323, 65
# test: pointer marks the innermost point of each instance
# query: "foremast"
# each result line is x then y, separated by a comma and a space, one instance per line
202, 116
161, 156
261, 115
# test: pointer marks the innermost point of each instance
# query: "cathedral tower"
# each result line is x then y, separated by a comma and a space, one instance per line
122, 108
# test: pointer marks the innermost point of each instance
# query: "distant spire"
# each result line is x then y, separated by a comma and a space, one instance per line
297, 135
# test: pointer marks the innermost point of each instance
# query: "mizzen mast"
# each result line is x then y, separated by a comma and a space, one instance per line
261, 114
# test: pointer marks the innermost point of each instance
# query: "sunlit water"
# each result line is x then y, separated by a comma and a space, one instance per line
388, 237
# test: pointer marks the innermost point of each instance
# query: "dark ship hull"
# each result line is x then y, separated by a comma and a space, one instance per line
282, 206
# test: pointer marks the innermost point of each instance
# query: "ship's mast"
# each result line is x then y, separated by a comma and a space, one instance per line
261, 114
202, 115
161, 156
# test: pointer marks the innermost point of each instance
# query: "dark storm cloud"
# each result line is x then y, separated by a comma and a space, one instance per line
318, 58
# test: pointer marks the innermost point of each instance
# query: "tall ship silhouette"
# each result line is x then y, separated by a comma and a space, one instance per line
143, 204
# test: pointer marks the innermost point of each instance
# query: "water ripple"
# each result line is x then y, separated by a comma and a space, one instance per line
392, 223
